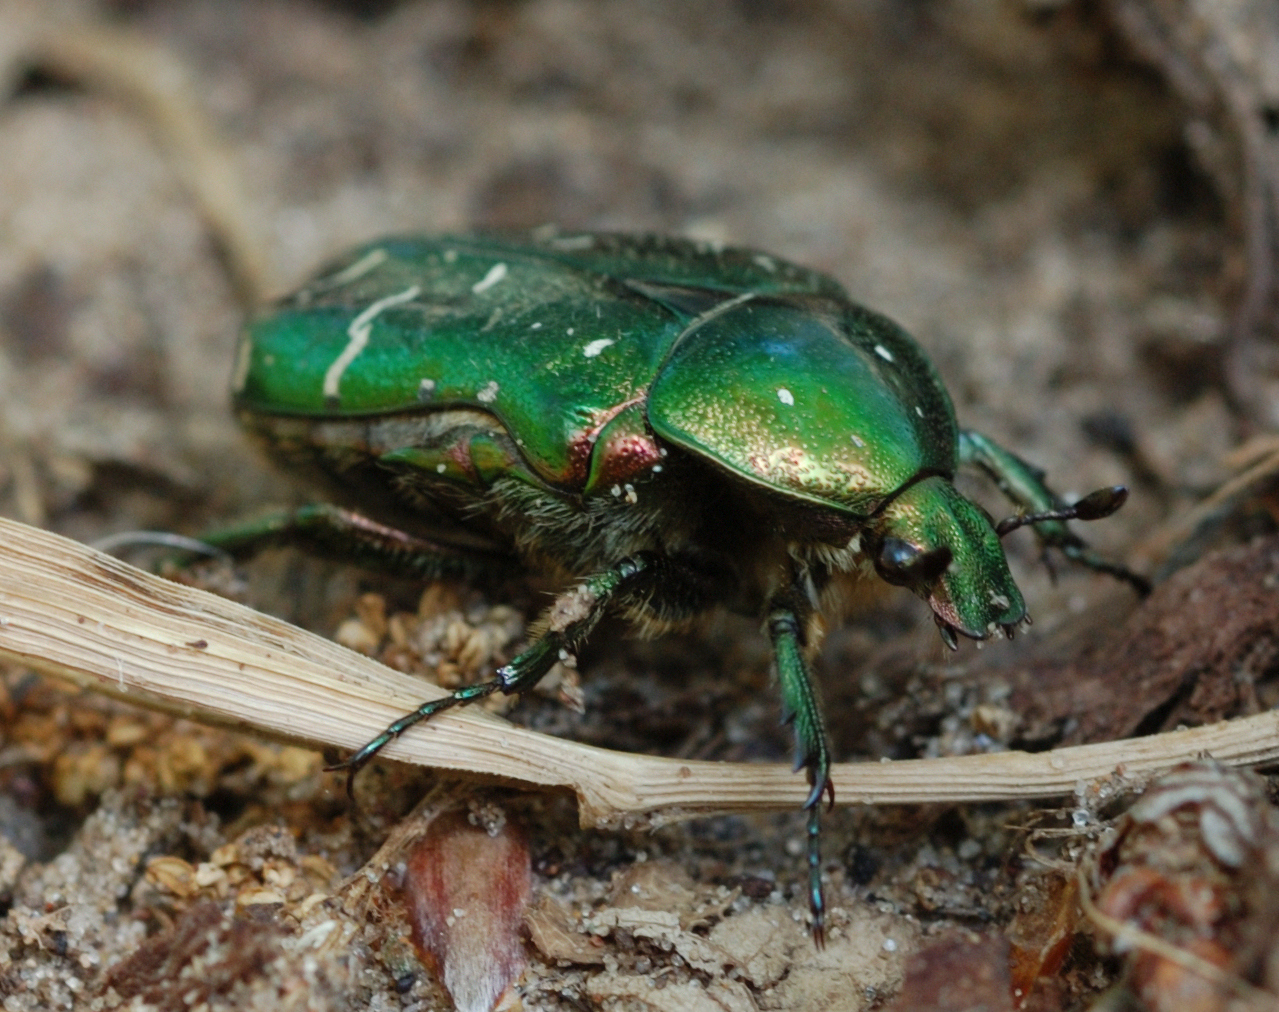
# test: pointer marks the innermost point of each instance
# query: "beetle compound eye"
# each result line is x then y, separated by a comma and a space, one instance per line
930, 565
894, 559
903, 565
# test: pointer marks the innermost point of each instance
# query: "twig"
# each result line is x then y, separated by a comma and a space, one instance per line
70, 611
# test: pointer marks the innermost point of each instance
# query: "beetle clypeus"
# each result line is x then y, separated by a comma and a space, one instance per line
665, 426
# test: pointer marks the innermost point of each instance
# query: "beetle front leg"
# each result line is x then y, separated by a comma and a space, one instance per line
568, 621
801, 706
1023, 485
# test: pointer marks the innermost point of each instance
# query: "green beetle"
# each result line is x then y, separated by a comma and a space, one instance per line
666, 426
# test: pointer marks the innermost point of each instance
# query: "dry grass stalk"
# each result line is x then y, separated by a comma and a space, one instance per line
69, 611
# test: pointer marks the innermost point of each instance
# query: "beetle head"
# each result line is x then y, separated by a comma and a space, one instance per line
943, 548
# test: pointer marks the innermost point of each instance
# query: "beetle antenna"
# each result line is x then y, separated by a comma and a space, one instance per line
1094, 506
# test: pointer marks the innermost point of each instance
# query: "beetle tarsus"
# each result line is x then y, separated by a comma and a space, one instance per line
1086, 557
335, 532
506, 681
587, 601
1024, 485
816, 897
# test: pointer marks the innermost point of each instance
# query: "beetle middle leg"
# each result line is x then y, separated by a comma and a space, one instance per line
801, 706
668, 589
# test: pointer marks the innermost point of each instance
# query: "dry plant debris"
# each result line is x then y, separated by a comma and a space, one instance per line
1184, 889
994, 173
1204, 648
466, 887
1212, 56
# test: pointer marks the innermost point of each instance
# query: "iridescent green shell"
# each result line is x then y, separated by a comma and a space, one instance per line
591, 351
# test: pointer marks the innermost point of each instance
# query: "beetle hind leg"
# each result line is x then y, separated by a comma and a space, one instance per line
348, 536
567, 623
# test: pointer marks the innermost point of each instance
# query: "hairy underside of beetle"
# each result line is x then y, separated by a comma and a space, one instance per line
736, 545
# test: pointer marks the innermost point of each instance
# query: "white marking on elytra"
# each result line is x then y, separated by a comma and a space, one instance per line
425, 389
535, 326
597, 346
243, 360
785, 396
615, 491
883, 353
495, 274
488, 393
569, 331
441, 468
358, 338
570, 243
372, 259
767, 262
919, 411
858, 442
631, 497
657, 468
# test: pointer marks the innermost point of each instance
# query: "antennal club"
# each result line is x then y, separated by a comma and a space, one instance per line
1094, 506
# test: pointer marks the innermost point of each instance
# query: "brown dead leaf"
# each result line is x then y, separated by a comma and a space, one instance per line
466, 891
558, 936
1191, 654
1041, 934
